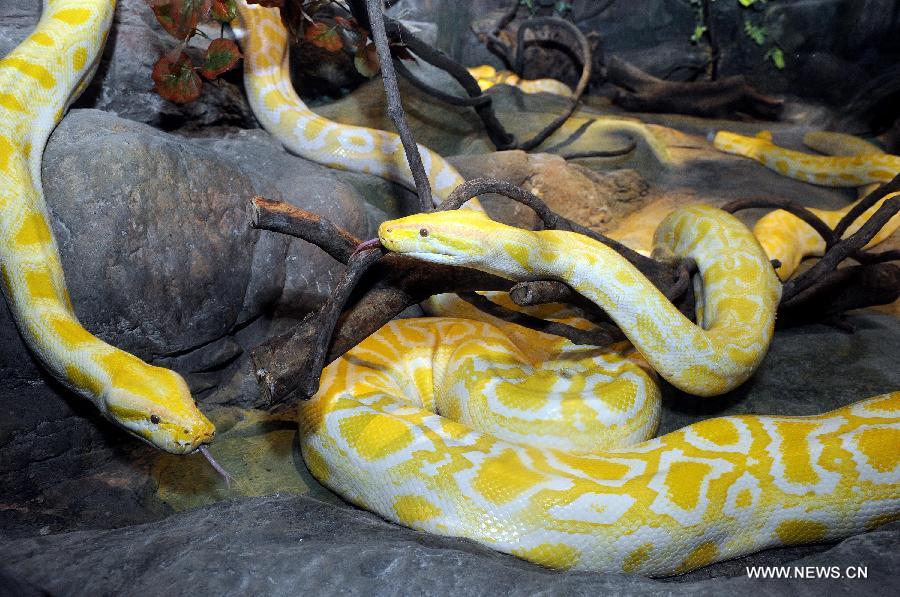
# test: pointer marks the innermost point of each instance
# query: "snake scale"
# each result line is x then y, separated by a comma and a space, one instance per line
477, 428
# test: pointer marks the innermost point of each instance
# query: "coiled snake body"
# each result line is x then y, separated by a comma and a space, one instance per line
528, 444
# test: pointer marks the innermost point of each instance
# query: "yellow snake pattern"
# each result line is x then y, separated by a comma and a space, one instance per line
38, 80
541, 448
523, 442
487, 76
786, 237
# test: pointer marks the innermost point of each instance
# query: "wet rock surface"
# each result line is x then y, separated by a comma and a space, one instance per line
281, 545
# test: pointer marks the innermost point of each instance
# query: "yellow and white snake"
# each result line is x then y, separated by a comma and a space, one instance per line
38, 80
487, 76
786, 237
521, 441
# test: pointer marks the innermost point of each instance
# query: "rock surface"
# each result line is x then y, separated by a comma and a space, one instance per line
160, 260
280, 545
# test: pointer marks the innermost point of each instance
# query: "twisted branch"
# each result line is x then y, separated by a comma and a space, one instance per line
395, 104
587, 60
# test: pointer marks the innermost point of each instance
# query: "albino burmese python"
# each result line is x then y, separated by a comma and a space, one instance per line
522, 455
487, 76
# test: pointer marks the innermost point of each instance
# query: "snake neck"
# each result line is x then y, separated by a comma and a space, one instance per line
283, 114
739, 294
38, 80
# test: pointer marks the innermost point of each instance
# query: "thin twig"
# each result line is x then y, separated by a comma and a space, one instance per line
686, 270
844, 248
308, 382
395, 104
288, 219
399, 34
453, 100
865, 203
598, 336
586, 69
787, 205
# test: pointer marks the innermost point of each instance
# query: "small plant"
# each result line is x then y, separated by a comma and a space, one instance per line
755, 31
177, 78
560, 7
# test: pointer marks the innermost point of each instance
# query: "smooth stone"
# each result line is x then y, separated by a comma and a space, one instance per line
278, 545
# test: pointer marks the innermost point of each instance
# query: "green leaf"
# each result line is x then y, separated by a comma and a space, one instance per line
777, 57
175, 80
221, 56
699, 30
757, 34
180, 17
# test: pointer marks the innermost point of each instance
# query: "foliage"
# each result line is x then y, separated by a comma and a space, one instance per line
176, 74
176, 79
314, 22
755, 31
560, 7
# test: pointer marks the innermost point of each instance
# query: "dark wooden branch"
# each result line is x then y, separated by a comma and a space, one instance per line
865, 203
396, 282
842, 250
398, 34
453, 100
841, 290
327, 318
645, 93
598, 336
587, 62
287, 219
388, 287
395, 104
786, 204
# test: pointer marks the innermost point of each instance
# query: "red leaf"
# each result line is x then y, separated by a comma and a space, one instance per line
221, 56
321, 35
180, 17
176, 81
223, 11
345, 22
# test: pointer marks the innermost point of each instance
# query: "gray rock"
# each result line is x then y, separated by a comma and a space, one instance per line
162, 222
278, 545
160, 260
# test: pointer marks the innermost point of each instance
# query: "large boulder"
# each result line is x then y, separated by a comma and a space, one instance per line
160, 260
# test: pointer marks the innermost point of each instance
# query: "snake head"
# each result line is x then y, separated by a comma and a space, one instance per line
456, 237
155, 405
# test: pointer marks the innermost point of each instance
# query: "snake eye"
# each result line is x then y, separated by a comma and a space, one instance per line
154, 419
423, 232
